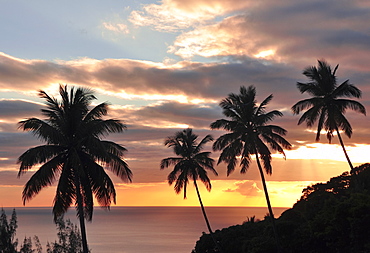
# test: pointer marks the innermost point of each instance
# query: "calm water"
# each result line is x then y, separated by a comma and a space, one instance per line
137, 229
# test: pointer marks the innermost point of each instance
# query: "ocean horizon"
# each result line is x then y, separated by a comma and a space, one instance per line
161, 229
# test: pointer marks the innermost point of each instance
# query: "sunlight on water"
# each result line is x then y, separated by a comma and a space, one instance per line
138, 229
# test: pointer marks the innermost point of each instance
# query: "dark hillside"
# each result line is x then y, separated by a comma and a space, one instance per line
330, 217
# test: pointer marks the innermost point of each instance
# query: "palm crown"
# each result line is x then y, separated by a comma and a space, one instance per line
249, 132
328, 103
191, 163
74, 151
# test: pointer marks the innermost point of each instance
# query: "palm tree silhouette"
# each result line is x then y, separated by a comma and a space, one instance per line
326, 104
249, 135
190, 165
74, 152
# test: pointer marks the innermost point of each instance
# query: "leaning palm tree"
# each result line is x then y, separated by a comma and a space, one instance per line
249, 135
75, 153
190, 165
327, 104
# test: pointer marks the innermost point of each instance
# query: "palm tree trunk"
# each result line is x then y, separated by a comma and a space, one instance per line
81, 217
205, 217
268, 203
344, 149
202, 207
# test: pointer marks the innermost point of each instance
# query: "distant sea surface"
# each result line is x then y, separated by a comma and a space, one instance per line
137, 229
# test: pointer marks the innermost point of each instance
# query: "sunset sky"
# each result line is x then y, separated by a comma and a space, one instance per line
165, 66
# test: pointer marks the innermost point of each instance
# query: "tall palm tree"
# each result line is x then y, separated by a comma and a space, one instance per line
190, 165
249, 135
327, 104
75, 153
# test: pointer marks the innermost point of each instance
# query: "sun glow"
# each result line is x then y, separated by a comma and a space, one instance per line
224, 193
357, 153
265, 53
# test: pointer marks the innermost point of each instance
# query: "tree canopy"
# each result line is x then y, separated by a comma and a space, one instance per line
331, 217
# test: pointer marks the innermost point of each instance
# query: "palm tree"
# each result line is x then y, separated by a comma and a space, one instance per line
190, 165
327, 105
249, 135
74, 152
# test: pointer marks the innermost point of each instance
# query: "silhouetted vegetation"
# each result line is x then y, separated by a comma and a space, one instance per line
69, 237
331, 217
8, 242
74, 153
249, 135
190, 165
327, 105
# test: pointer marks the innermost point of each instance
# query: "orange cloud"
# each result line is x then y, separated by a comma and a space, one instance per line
294, 31
174, 15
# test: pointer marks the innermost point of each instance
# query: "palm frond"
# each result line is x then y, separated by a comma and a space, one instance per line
119, 168
38, 155
223, 124
87, 197
263, 119
272, 129
43, 177
97, 112
167, 162
351, 104
65, 193
344, 125
205, 140
100, 127
172, 176
266, 159
42, 130
225, 140
311, 88
311, 115
322, 119
306, 103
347, 90
262, 107
202, 174
103, 188
245, 161
112, 147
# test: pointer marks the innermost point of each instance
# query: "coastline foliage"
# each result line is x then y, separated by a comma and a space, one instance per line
329, 217
69, 237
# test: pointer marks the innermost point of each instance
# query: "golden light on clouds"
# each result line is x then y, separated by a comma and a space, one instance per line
171, 16
223, 193
358, 153
165, 124
265, 53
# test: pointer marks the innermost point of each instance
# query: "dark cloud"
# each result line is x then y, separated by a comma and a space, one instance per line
212, 81
300, 32
11, 109
198, 116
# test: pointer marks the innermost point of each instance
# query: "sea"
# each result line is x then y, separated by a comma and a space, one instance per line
137, 229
